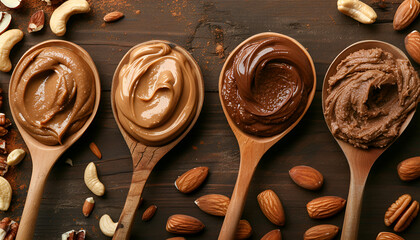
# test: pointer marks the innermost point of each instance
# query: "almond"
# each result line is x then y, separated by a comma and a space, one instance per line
88, 206
149, 213
321, 232
95, 150
213, 204
271, 207
272, 235
36, 22
388, 236
409, 169
192, 179
307, 177
325, 207
183, 224
113, 16
244, 230
406, 13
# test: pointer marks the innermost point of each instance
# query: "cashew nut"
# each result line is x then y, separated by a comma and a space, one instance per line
92, 180
15, 157
60, 16
107, 226
5, 194
358, 10
7, 40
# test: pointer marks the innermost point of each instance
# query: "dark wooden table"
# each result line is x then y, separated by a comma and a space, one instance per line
198, 26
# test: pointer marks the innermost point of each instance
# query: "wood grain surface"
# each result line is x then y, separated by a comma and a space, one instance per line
198, 26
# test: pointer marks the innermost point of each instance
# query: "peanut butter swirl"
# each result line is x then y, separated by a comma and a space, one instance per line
53, 94
157, 93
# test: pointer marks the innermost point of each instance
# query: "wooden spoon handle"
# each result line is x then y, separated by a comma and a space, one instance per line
33, 201
131, 204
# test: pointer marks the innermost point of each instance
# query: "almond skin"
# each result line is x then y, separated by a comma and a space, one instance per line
406, 13
271, 206
183, 224
388, 236
409, 169
325, 207
213, 204
36, 23
321, 232
95, 150
149, 213
192, 179
307, 177
272, 235
244, 230
113, 16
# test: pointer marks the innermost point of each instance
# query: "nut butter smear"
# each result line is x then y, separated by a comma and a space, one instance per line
53, 94
266, 87
370, 97
157, 93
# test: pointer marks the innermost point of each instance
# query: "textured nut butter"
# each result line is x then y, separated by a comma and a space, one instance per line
157, 93
370, 97
266, 86
53, 93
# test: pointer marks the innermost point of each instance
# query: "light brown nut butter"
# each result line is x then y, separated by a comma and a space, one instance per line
388, 236
324, 207
396, 209
271, 206
321, 232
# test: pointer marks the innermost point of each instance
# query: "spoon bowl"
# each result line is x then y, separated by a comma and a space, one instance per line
145, 157
44, 156
360, 160
251, 147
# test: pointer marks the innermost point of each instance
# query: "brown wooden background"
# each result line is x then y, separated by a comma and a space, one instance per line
196, 26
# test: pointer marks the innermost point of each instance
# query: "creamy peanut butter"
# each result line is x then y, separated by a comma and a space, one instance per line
53, 93
370, 97
157, 93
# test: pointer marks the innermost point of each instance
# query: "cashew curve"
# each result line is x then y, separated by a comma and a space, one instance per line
7, 40
107, 226
92, 180
5, 194
358, 10
62, 14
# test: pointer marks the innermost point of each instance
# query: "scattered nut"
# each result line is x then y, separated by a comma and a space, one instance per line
3, 165
107, 226
88, 206
149, 213
244, 230
5, 21
407, 217
213, 204
3, 149
4, 227
13, 229
272, 235
15, 157
358, 10
192, 179
406, 13
7, 40
5, 194
388, 236
321, 232
183, 224
36, 23
95, 150
73, 235
307, 177
12, 4
113, 16
271, 207
92, 180
396, 209
325, 207
409, 169
61, 14
69, 162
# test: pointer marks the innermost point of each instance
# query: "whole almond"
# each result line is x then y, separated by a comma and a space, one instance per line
95, 150
271, 207
192, 179
244, 230
409, 169
113, 16
388, 236
321, 232
325, 207
149, 213
406, 13
88, 206
272, 235
183, 224
36, 22
307, 177
213, 204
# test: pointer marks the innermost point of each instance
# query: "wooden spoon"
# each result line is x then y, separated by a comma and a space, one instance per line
145, 157
252, 148
43, 156
360, 160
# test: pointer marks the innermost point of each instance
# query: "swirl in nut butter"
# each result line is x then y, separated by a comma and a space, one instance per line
157, 94
53, 93
267, 85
